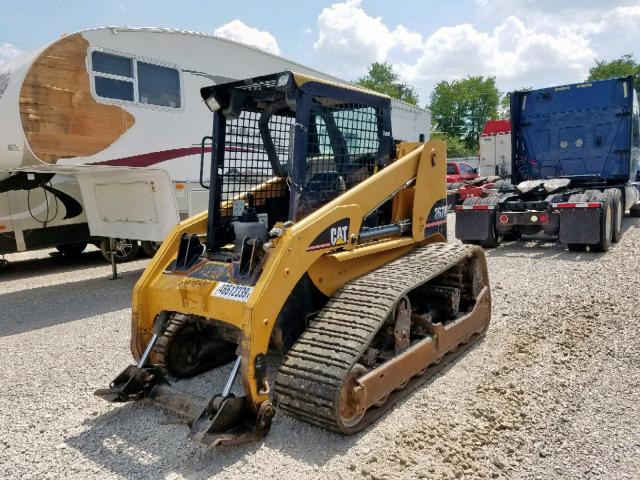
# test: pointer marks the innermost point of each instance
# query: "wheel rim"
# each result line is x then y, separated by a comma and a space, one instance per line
349, 413
123, 247
619, 217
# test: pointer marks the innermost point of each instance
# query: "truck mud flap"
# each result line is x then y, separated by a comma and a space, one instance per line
579, 225
474, 225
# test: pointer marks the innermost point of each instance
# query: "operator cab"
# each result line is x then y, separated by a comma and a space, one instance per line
286, 144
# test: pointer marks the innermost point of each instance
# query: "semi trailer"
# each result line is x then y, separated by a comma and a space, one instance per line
574, 169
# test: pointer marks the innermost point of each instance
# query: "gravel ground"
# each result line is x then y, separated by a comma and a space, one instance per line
552, 391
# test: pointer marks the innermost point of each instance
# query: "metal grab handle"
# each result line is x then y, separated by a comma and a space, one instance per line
202, 148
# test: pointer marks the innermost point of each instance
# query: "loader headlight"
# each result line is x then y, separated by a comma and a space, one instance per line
212, 103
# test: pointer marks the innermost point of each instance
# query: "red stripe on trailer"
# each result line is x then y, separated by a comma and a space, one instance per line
577, 205
437, 222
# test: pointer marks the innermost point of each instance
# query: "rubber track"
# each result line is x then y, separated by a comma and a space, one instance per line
309, 380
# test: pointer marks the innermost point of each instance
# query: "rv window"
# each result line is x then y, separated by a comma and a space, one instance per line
112, 88
112, 64
158, 85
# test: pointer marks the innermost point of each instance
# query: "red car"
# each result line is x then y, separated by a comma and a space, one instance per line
460, 172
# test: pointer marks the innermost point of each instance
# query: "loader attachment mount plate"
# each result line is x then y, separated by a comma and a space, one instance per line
134, 383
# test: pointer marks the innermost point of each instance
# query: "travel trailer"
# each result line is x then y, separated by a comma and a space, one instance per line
102, 134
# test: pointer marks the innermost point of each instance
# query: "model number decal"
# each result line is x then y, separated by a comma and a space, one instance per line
230, 291
437, 219
440, 212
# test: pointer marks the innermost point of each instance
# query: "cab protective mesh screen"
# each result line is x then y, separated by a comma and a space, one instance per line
247, 167
344, 141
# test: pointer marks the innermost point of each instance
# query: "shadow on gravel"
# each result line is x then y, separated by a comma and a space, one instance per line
140, 440
46, 306
54, 263
538, 247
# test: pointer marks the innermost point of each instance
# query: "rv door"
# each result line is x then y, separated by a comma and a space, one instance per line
128, 203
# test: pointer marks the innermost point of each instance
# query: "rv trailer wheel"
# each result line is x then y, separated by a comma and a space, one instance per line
125, 249
150, 248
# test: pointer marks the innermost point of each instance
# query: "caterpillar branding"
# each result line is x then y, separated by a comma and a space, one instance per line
437, 219
334, 236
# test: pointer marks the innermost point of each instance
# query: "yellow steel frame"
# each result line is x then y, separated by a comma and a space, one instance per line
418, 181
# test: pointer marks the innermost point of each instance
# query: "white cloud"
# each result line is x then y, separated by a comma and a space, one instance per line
517, 55
616, 32
352, 39
239, 31
536, 43
8, 51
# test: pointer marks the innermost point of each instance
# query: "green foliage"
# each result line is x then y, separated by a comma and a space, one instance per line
456, 148
460, 108
381, 78
505, 106
620, 67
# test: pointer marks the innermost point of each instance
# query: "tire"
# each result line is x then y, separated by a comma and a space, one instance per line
635, 211
150, 248
187, 348
126, 250
606, 222
72, 249
615, 197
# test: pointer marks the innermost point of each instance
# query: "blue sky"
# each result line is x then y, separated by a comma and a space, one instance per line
521, 42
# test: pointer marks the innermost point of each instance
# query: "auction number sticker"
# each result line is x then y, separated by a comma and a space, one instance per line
230, 291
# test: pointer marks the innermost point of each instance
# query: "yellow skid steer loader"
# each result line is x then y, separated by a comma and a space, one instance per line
323, 241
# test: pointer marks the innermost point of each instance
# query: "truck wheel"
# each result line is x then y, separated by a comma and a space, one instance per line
125, 249
615, 197
72, 249
150, 248
606, 223
635, 210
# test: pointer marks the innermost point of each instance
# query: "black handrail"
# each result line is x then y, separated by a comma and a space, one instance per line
202, 147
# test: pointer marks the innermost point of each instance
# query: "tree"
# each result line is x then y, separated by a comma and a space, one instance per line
381, 78
460, 108
456, 148
504, 109
620, 67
